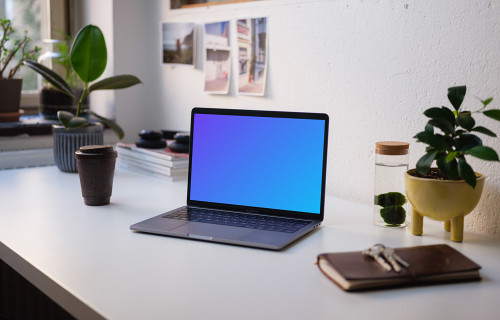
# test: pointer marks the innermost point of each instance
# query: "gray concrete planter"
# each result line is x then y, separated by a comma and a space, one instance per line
66, 142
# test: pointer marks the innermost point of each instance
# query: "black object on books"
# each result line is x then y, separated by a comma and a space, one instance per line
151, 140
430, 264
181, 143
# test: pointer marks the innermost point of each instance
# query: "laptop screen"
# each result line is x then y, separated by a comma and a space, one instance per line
258, 159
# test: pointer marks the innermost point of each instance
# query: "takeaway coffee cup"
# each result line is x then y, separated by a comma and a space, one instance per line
96, 167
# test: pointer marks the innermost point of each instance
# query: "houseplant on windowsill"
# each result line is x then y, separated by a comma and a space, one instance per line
12, 48
88, 59
452, 190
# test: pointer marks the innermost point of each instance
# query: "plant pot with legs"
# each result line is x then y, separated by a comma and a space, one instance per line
452, 190
443, 200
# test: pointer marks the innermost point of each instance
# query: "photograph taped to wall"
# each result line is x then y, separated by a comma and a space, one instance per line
178, 43
252, 56
217, 57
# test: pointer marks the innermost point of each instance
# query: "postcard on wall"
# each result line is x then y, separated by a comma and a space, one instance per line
178, 43
217, 57
252, 56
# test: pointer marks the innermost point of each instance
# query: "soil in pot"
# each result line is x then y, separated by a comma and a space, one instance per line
434, 173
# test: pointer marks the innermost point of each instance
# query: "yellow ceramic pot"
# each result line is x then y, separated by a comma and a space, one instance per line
442, 200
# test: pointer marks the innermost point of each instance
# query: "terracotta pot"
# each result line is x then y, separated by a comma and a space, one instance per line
10, 93
67, 141
443, 200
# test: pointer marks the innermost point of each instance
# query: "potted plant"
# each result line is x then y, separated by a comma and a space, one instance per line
88, 58
12, 48
452, 190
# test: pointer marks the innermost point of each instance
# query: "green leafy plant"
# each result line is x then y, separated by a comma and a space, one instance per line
455, 139
88, 58
12, 47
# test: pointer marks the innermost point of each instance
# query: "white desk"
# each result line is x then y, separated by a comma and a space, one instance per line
87, 260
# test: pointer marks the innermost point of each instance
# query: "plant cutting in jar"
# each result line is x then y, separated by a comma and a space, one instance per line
88, 58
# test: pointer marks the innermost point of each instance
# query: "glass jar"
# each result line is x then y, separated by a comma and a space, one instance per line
390, 204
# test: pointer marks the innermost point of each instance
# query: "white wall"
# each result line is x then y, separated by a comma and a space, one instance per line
373, 66
99, 13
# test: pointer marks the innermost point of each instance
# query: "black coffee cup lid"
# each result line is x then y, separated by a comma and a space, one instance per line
98, 149
96, 152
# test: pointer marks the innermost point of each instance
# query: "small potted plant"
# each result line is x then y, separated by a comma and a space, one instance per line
12, 53
452, 190
88, 57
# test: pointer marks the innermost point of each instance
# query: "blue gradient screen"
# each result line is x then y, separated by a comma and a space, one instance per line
256, 161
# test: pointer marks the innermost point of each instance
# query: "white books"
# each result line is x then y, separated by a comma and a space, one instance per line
165, 154
156, 162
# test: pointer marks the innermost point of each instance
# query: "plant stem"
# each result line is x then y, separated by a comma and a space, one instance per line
82, 98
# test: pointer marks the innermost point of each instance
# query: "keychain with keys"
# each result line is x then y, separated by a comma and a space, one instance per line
375, 252
386, 257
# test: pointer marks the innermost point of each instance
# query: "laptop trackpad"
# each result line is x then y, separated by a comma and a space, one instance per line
214, 231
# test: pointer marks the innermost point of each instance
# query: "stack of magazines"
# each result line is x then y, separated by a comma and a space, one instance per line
158, 162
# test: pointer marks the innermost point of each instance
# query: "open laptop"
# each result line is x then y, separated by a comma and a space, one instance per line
256, 178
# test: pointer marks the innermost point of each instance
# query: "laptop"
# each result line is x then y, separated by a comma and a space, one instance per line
256, 178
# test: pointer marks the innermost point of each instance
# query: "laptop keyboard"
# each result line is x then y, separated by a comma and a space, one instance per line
238, 220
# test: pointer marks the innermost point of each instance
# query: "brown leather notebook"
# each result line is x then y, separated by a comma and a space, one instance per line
428, 264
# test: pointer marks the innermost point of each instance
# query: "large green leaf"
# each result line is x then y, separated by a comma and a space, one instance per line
495, 114
116, 128
441, 113
484, 130
424, 163
483, 152
116, 82
456, 96
52, 77
437, 141
442, 124
88, 54
448, 167
465, 120
77, 122
65, 117
466, 172
467, 141
69, 121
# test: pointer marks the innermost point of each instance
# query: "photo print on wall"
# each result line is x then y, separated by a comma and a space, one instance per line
178, 43
252, 56
217, 57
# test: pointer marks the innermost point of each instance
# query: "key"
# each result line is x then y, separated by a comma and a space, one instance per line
375, 252
400, 260
389, 256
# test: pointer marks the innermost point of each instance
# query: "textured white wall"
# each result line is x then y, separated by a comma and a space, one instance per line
373, 66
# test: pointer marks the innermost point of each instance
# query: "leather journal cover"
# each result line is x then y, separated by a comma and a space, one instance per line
428, 264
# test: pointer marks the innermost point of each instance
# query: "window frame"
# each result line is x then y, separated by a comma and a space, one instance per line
55, 16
